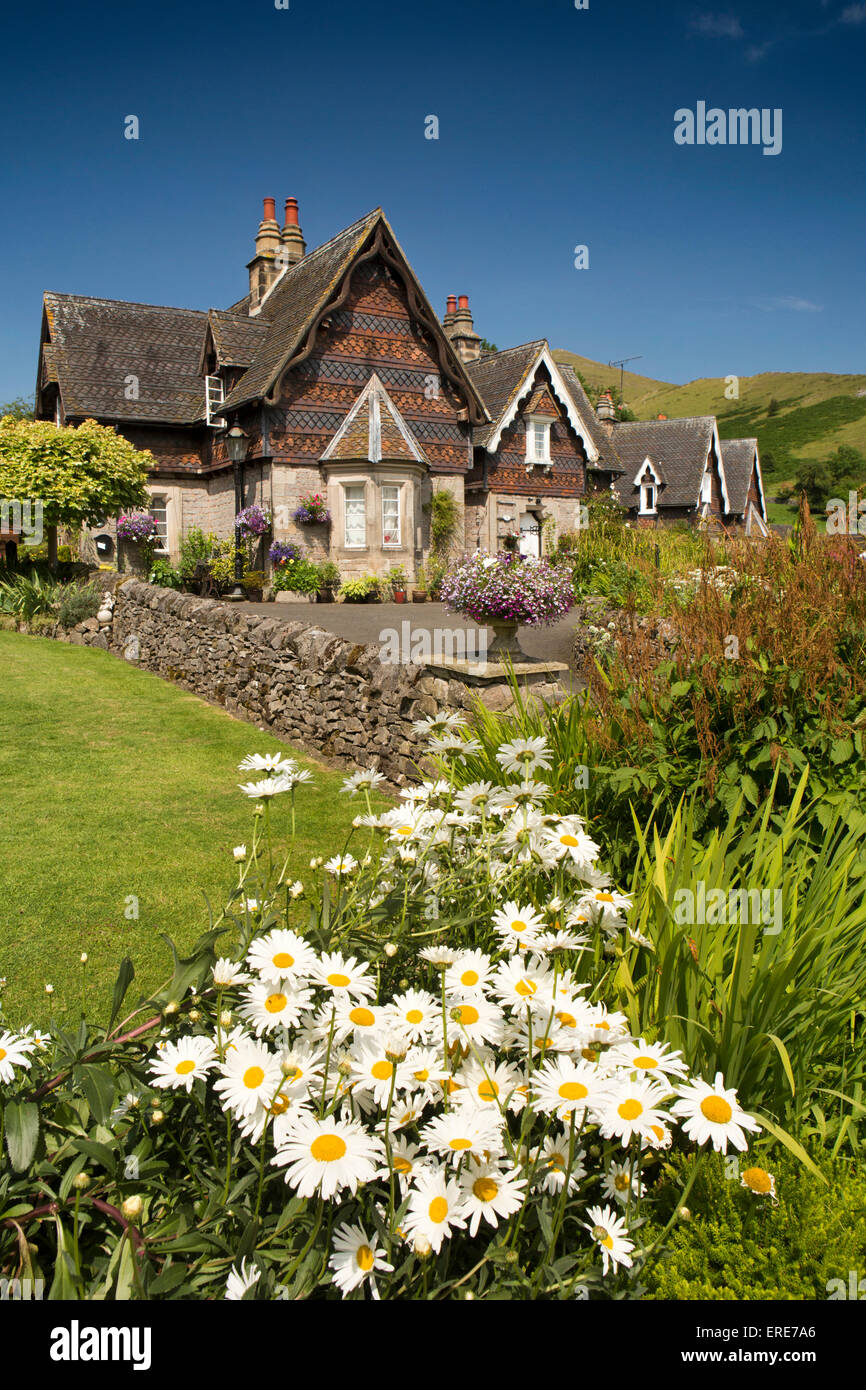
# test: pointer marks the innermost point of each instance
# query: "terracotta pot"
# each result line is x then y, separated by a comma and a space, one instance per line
419, 595
399, 595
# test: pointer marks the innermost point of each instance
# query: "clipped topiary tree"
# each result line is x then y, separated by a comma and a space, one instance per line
76, 473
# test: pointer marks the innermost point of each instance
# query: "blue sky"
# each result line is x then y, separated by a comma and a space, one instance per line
556, 129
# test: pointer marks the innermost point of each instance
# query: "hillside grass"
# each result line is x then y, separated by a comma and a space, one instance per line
117, 784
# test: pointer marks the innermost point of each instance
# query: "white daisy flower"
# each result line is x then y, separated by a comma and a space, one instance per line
13, 1053
436, 1208
473, 1021
759, 1181
551, 1164
524, 755
405, 1160
474, 797
266, 789
464, 1131
617, 1181
712, 1114
490, 1193
569, 839
240, 853
268, 1005
341, 865
180, 1063
376, 1068
653, 1060
629, 1108
469, 974
350, 1019
429, 1071
517, 926
489, 1084
367, 779
440, 956
416, 1013
328, 1155
271, 763
282, 955
610, 1231
227, 973
524, 982
563, 1086
240, 1281
250, 1077
355, 1258
344, 976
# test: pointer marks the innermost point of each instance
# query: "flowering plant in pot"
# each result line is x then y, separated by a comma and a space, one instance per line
419, 588
363, 590
396, 579
254, 521
282, 550
296, 577
329, 580
508, 592
312, 511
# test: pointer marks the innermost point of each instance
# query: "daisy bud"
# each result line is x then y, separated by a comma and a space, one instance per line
356, 823
158, 1116
296, 889
312, 863
468, 1296
511, 1257
49, 989
404, 984
193, 1015
171, 1008
423, 1248
81, 1182
344, 1066
684, 1214
225, 1019
258, 810
390, 949
132, 1208
83, 957
594, 1151
240, 852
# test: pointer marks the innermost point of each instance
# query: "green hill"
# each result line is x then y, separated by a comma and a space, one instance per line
814, 413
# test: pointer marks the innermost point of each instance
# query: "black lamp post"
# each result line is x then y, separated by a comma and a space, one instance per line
236, 444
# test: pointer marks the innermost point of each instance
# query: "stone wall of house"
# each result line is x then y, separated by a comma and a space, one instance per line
310, 686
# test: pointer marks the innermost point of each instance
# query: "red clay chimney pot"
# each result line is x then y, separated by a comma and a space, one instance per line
463, 301
291, 212
452, 304
270, 213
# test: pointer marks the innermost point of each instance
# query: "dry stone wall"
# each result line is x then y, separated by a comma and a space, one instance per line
314, 688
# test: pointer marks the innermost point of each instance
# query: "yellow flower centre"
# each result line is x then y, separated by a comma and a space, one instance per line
758, 1180
557, 1161
182, 1068
620, 1182
469, 977
275, 1003
604, 898
645, 1063
438, 1210
280, 1105
716, 1110
467, 1013
605, 1026
573, 1090
458, 1144
525, 987
402, 1165
339, 981
568, 840
283, 960
658, 1132
404, 830
485, 1189
590, 1053
518, 926
2, 1053
567, 1020
253, 1077
422, 1075
414, 1016
608, 1242
488, 1090
364, 1018
630, 1109
327, 1148
364, 1257
382, 1070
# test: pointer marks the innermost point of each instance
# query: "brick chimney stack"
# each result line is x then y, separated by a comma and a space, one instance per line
605, 409
293, 248
263, 267
459, 328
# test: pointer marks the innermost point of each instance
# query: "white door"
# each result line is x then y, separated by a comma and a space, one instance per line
530, 536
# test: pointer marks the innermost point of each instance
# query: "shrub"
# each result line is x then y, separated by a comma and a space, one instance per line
77, 604
42, 622
741, 1246
329, 575
254, 579
26, 595
296, 577
195, 546
444, 516
163, 572
359, 590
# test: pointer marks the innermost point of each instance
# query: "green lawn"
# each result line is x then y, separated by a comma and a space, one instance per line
117, 784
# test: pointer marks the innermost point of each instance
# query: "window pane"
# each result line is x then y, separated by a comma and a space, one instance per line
390, 516
356, 516
158, 510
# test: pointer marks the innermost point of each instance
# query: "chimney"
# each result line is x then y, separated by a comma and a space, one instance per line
263, 268
605, 410
459, 328
293, 248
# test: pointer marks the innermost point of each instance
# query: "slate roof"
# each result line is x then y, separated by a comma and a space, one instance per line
679, 450
97, 344
738, 458
237, 337
374, 430
499, 376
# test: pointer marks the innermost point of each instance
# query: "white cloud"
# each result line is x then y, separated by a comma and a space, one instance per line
792, 302
721, 26
854, 14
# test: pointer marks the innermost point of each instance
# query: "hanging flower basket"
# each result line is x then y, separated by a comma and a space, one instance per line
138, 527
253, 521
312, 511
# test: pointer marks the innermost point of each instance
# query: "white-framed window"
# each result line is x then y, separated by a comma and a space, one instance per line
158, 509
58, 413
647, 497
390, 515
214, 397
707, 489
538, 441
355, 505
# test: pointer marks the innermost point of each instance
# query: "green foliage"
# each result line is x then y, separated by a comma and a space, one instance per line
396, 578
22, 408
740, 1246
195, 546
163, 573
26, 595
444, 516
221, 562
77, 603
329, 575
296, 577
360, 590
79, 474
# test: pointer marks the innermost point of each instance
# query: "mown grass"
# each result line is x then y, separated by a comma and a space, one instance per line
117, 785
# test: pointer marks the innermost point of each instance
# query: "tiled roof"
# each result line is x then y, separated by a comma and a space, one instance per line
738, 458
498, 377
603, 438
374, 430
292, 304
98, 345
237, 337
680, 447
